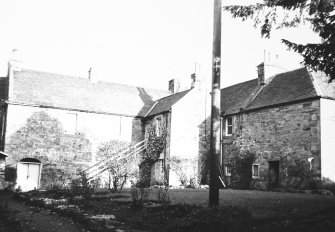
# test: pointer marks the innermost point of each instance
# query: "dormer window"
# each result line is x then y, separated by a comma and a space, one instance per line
229, 126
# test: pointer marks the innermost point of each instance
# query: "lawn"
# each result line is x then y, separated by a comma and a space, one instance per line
275, 211
259, 203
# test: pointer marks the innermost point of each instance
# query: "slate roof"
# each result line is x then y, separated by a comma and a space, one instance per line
61, 91
283, 88
165, 104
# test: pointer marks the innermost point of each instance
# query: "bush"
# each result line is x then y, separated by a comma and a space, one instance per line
74, 190
163, 197
328, 185
88, 187
301, 176
140, 193
241, 166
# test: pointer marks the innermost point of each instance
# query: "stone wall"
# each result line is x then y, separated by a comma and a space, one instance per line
286, 133
157, 174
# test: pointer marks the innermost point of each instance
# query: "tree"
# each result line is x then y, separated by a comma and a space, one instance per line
119, 170
287, 13
42, 138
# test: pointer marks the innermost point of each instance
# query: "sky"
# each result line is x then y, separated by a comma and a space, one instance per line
136, 42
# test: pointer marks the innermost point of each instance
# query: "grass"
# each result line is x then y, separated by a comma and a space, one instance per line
273, 211
260, 203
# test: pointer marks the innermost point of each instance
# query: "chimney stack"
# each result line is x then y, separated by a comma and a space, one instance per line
174, 86
193, 80
268, 69
15, 63
93, 75
260, 74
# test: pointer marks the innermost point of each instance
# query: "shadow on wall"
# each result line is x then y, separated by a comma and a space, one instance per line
42, 138
204, 148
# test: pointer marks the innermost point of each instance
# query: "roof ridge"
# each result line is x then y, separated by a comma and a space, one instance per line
239, 83
172, 95
83, 78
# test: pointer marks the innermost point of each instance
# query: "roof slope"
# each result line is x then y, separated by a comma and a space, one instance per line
282, 88
235, 97
165, 104
285, 87
55, 90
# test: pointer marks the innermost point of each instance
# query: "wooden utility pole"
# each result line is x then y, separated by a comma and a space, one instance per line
215, 112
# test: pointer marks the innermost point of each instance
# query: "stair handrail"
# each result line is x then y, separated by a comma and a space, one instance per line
140, 145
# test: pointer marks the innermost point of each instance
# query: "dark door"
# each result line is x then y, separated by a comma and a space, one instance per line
273, 174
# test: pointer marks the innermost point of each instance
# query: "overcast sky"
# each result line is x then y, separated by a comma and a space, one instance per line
137, 42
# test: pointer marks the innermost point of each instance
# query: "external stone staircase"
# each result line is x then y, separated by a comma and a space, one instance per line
100, 168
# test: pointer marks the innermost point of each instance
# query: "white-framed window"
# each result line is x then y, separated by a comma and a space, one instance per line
255, 171
158, 124
229, 126
227, 169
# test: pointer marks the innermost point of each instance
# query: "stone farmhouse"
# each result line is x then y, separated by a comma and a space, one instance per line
52, 124
285, 119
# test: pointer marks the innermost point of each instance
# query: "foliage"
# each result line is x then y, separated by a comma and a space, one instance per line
186, 171
328, 185
162, 195
241, 166
88, 187
154, 147
301, 176
82, 187
225, 219
288, 13
140, 193
178, 166
42, 138
73, 190
120, 169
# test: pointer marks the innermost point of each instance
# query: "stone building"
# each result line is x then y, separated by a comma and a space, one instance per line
61, 120
286, 119
56, 122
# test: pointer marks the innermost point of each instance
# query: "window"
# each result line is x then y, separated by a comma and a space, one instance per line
255, 171
158, 125
227, 169
229, 126
162, 166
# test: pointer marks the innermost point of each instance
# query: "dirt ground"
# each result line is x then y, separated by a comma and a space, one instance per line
17, 216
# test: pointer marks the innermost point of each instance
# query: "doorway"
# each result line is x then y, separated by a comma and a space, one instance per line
28, 174
273, 174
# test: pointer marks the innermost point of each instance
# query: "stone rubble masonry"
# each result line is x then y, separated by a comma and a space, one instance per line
284, 133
